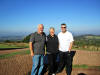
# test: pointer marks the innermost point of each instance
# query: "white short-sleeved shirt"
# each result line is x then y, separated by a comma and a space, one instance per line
64, 40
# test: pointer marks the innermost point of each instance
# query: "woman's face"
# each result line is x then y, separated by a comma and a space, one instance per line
52, 32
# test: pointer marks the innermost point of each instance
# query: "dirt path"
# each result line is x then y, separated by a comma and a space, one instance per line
12, 50
22, 64
87, 57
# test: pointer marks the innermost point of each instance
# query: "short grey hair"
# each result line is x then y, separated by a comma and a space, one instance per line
40, 25
52, 28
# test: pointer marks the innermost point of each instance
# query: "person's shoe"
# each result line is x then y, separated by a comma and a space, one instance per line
53, 74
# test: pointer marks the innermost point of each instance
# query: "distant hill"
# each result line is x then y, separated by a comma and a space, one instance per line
79, 40
89, 36
89, 42
12, 38
82, 37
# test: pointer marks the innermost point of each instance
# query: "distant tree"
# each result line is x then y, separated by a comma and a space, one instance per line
26, 39
7, 41
18, 41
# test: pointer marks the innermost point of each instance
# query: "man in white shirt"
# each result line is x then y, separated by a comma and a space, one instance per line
65, 44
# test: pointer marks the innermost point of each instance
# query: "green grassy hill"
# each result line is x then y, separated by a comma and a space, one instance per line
90, 42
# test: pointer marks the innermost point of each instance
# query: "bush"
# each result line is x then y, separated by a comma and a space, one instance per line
26, 39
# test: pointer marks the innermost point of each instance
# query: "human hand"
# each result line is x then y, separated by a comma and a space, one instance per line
32, 54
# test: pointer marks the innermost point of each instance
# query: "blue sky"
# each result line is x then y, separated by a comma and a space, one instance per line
23, 16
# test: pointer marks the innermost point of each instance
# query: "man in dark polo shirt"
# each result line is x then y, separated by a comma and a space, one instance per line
37, 49
52, 50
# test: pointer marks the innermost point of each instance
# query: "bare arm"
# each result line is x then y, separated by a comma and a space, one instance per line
31, 48
70, 47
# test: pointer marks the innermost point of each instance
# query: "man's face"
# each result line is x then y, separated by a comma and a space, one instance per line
52, 32
40, 29
63, 28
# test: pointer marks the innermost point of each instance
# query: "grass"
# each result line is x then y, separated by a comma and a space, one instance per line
26, 45
80, 66
13, 45
8, 46
85, 49
3, 56
85, 66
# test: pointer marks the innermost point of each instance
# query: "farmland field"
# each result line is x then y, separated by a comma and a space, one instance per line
15, 57
86, 62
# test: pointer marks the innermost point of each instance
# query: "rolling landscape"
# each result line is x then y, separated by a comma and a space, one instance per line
20, 18
15, 56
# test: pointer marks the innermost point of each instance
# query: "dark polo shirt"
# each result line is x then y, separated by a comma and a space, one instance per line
38, 42
52, 44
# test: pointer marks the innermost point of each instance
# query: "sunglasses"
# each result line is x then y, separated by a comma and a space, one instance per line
63, 27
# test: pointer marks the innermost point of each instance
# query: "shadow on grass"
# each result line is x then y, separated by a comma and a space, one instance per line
9, 48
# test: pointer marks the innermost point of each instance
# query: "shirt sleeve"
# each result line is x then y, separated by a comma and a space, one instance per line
71, 38
32, 38
58, 36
